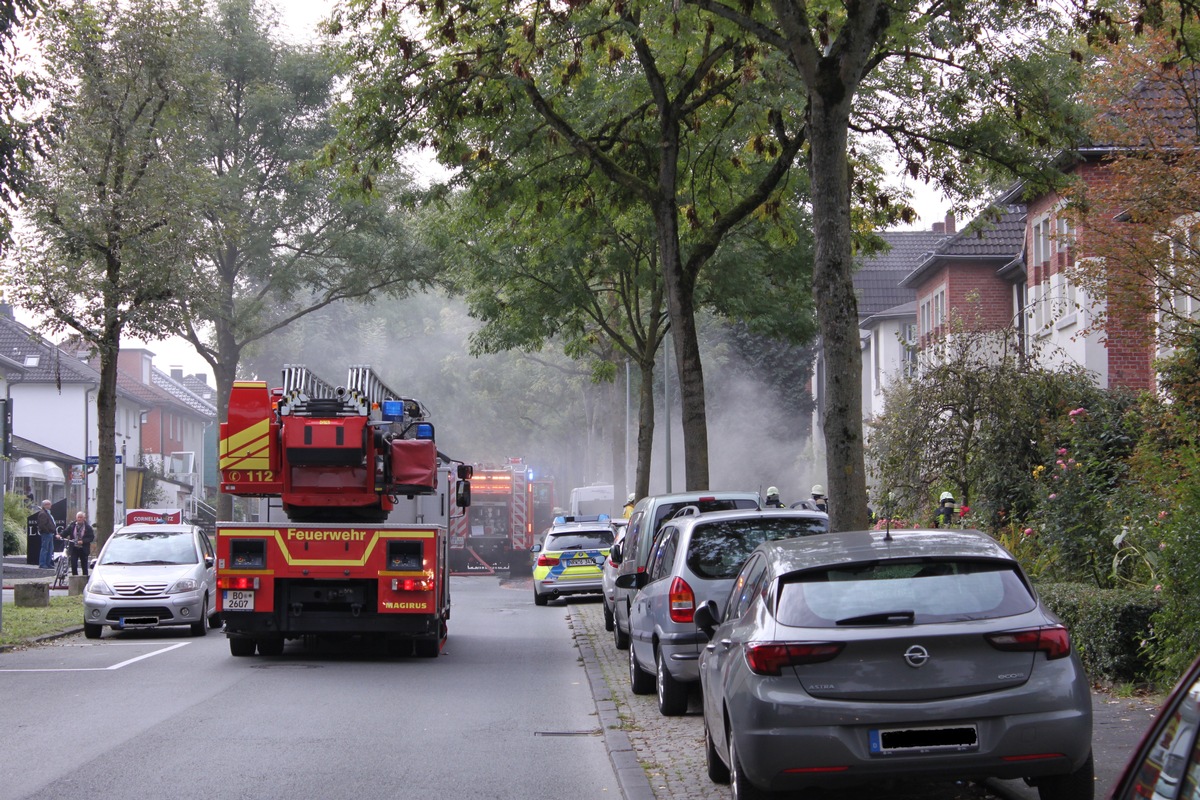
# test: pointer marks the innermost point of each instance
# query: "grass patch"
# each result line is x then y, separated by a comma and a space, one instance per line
22, 624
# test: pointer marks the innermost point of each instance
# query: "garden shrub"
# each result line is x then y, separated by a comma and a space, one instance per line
1109, 628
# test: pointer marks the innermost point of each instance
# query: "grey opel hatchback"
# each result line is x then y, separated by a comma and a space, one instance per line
150, 575
862, 656
694, 558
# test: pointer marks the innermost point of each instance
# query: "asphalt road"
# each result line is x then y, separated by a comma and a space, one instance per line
159, 714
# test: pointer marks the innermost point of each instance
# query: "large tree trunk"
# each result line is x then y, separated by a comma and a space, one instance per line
224, 373
681, 310
837, 312
645, 442
106, 431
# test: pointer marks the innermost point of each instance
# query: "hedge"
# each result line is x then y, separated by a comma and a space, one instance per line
1109, 628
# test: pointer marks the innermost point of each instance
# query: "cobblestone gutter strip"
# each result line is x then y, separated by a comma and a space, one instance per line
661, 757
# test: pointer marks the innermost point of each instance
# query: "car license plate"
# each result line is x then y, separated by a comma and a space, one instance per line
582, 561
957, 738
237, 600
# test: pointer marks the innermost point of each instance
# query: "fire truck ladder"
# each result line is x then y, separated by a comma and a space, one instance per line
366, 388
300, 387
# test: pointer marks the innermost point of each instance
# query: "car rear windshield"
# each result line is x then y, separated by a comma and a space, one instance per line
580, 540
718, 549
668, 510
902, 591
165, 547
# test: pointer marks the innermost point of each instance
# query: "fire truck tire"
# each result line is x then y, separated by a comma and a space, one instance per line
241, 647
427, 648
540, 599
270, 646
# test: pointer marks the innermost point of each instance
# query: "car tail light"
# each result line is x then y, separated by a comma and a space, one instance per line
547, 561
1053, 640
769, 658
237, 582
682, 601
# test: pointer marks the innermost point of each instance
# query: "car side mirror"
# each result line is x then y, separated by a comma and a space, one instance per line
706, 617
614, 554
537, 548
208, 561
627, 581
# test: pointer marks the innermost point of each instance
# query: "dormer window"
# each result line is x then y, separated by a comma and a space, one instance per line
32, 361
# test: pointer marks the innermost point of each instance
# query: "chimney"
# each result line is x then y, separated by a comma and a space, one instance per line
950, 222
6, 311
176, 373
939, 227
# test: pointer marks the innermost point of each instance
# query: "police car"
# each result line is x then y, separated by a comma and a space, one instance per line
570, 557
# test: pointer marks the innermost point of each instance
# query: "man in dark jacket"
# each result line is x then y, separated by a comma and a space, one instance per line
79, 536
46, 529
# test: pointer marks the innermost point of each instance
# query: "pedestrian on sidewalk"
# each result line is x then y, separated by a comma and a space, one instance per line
46, 526
79, 543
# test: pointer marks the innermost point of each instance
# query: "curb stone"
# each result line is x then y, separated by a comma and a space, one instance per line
630, 775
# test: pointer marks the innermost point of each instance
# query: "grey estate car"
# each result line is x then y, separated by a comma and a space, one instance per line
644, 521
148, 575
694, 558
868, 655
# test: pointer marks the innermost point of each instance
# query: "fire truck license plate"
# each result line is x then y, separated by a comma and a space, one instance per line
236, 600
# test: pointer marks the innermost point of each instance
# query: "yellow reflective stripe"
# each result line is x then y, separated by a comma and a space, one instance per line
293, 561
247, 449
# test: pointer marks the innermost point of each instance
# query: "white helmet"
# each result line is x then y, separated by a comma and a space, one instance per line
772, 490
631, 498
818, 491
947, 496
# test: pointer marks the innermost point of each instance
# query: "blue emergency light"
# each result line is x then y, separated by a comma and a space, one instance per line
392, 410
582, 518
424, 430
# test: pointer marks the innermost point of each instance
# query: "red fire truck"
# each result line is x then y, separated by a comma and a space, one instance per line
509, 507
339, 459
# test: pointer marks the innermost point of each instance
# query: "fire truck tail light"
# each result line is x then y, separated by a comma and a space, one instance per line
237, 582
411, 585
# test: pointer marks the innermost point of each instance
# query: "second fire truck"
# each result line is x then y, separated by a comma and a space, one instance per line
509, 507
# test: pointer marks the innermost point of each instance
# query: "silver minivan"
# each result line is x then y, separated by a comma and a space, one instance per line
694, 559
644, 521
150, 575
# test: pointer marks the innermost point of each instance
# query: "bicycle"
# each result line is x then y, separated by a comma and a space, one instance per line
62, 563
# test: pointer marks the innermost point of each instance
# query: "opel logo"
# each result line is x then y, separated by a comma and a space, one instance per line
916, 656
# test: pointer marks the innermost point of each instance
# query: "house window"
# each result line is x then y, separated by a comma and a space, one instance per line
908, 348
926, 327
876, 361
1179, 294
1064, 233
